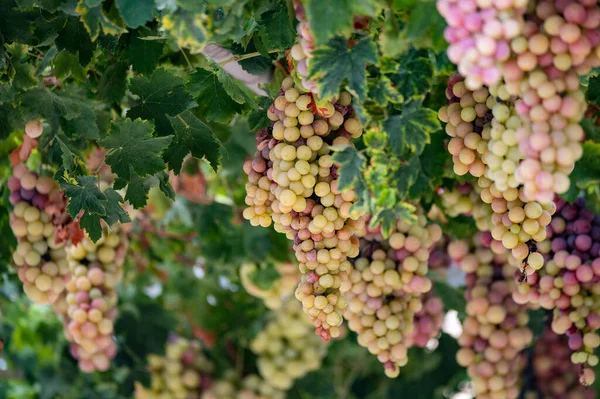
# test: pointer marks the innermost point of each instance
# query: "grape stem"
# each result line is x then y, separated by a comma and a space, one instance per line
238, 57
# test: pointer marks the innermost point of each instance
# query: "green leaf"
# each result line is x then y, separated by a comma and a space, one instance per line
137, 191
238, 91
73, 37
277, 31
165, 185
114, 211
143, 55
51, 5
452, 297
161, 96
20, 70
112, 85
410, 130
192, 135
406, 175
593, 90
384, 218
351, 163
214, 103
67, 65
587, 169
90, 222
94, 20
131, 145
592, 132
383, 92
48, 57
84, 195
335, 17
334, 63
67, 155
392, 41
413, 79
135, 12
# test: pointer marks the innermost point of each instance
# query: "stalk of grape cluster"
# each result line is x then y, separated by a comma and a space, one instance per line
569, 284
183, 372
292, 183
387, 288
285, 348
89, 309
495, 331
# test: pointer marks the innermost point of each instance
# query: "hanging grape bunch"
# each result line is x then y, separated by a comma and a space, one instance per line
292, 183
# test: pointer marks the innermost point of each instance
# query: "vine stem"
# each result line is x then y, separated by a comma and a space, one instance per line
245, 57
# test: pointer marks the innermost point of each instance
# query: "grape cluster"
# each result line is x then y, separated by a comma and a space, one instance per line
282, 288
466, 200
569, 284
91, 299
484, 144
427, 321
286, 349
292, 182
480, 34
184, 372
495, 331
40, 257
250, 387
555, 376
385, 291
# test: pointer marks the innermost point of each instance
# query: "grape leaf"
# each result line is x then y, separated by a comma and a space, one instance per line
142, 54
66, 65
238, 92
406, 175
333, 17
20, 70
214, 103
114, 211
67, 155
587, 169
382, 92
73, 37
48, 57
593, 90
131, 145
192, 135
84, 195
164, 94
413, 79
112, 85
334, 63
592, 132
94, 20
351, 163
135, 12
137, 190
411, 129
277, 31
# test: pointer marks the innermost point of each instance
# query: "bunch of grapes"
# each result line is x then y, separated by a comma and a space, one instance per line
91, 300
184, 372
250, 387
555, 376
484, 144
480, 34
282, 288
569, 284
428, 321
385, 291
292, 182
40, 256
495, 331
285, 348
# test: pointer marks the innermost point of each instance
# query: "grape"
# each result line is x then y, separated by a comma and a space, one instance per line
495, 331
183, 372
387, 289
250, 387
34, 128
292, 183
280, 290
569, 282
91, 299
285, 348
